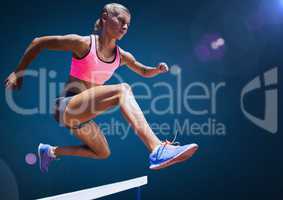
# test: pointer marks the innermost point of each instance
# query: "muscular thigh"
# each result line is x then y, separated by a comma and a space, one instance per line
91, 102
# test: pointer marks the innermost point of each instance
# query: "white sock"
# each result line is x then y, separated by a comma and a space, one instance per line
156, 148
51, 152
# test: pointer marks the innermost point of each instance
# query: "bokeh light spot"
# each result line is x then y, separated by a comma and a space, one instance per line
30, 158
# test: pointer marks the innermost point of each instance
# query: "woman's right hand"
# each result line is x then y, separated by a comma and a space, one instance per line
14, 81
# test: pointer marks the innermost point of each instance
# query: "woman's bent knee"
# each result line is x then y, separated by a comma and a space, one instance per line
125, 88
104, 155
124, 91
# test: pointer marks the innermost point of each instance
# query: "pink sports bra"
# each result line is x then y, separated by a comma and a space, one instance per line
93, 69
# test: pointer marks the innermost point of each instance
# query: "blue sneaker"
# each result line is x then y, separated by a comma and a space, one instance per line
44, 156
167, 154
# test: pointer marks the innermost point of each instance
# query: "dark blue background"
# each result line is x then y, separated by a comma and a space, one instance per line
246, 163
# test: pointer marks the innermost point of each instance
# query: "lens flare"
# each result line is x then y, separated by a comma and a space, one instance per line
220, 42
30, 158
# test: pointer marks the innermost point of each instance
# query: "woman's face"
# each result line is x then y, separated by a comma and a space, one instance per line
116, 25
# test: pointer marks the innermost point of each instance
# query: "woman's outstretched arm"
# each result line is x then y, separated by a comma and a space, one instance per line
71, 42
128, 59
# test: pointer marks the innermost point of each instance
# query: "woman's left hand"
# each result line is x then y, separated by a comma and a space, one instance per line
162, 67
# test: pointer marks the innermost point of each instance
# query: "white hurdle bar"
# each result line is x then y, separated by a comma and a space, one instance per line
101, 191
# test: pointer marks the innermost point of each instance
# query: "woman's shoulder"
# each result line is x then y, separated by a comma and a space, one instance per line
125, 53
122, 51
77, 37
82, 44
126, 56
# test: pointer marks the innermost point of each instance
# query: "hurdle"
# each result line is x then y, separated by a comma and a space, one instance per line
102, 191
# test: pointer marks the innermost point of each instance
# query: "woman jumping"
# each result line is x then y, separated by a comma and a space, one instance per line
94, 60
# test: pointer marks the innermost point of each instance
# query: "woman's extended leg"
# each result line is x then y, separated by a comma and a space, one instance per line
94, 101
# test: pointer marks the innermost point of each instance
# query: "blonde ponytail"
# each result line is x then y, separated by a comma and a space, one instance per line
98, 26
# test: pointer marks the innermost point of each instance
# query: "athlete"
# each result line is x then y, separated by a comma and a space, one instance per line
85, 95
